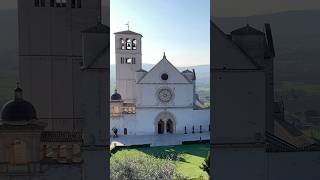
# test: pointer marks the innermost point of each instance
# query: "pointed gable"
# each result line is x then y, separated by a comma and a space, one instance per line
226, 54
164, 67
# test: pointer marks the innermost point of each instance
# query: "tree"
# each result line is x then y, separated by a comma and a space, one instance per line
206, 165
142, 166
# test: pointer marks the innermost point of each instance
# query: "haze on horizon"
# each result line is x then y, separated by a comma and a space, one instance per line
238, 8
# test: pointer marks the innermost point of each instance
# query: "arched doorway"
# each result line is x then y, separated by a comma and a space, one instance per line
161, 127
169, 127
165, 122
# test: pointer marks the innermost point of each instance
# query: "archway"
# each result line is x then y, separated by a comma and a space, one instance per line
161, 127
169, 127
165, 122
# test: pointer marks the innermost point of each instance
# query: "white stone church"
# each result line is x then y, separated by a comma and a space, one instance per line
156, 102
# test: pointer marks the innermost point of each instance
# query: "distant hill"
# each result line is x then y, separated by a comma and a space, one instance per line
202, 71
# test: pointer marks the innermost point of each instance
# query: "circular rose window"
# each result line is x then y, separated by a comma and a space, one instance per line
164, 76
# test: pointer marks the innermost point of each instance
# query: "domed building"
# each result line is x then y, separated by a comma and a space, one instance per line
116, 96
116, 104
18, 111
24, 143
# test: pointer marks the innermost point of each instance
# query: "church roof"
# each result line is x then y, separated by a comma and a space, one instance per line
141, 70
99, 28
247, 30
164, 60
236, 48
128, 32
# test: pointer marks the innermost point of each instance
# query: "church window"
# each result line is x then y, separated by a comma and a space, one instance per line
122, 43
128, 61
134, 44
129, 44
164, 76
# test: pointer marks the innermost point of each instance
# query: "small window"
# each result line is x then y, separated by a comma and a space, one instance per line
134, 44
122, 43
133, 60
79, 5
164, 76
128, 61
36, 3
128, 44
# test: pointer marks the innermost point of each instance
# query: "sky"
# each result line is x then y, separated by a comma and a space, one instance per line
227, 8
181, 28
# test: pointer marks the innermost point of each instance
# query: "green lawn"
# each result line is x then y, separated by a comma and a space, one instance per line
298, 87
313, 132
187, 158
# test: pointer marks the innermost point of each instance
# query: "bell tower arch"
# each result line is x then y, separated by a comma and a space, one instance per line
128, 61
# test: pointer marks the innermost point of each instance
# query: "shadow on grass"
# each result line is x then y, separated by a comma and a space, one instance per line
176, 153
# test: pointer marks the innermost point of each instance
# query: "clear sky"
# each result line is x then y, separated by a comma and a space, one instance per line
181, 28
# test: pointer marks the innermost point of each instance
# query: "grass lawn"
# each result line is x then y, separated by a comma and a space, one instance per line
191, 156
313, 132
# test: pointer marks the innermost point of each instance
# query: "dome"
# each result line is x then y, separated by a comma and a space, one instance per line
116, 96
18, 110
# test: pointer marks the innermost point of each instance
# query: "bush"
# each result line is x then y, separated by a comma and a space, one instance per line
206, 165
142, 167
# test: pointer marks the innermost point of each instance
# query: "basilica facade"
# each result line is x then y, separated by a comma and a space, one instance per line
160, 101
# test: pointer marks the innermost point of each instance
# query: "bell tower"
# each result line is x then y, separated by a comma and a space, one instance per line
128, 61
50, 54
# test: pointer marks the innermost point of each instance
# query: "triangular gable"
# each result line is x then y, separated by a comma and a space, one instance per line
226, 54
164, 66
